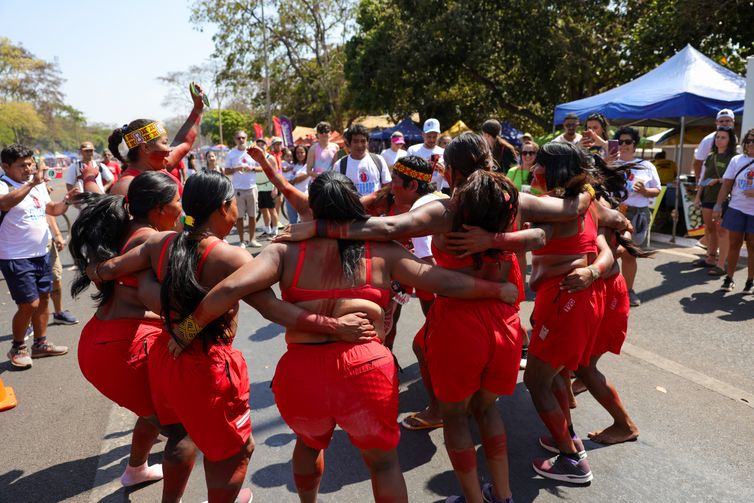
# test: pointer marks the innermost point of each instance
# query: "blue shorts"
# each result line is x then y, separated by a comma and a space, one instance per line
27, 278
738, 221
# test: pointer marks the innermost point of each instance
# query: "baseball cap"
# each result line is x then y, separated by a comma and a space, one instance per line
397, 138
86, 145
261, 140
276, 139
431, 126
725, 112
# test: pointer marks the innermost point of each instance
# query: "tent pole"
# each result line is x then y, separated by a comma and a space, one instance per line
679, 156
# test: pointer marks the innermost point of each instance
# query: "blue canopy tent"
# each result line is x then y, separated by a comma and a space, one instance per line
411, 132
511, 134
687, 88
687, 85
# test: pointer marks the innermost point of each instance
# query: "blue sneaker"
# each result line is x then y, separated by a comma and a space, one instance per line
64, 318
489, 497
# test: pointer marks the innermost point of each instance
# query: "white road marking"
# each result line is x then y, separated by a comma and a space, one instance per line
119, 420
692, 375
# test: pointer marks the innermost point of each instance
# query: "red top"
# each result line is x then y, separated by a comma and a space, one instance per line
584, 241
294, 293
136, 172
130, 280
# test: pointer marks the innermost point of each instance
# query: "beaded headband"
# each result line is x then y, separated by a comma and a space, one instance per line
144, 134
412, 173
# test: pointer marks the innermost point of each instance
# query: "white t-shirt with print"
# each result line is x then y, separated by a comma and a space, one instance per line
644, 171
241, 180
24, 232
391, 156
744, 181
423, 244
438, 175
73, 172
298, 169
367, 177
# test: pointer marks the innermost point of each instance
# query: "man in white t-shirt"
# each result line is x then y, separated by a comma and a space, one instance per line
395, 151
24, 256
72, 175
643, 185
570, 124
725, 118
242, 169
433, 154
366, 170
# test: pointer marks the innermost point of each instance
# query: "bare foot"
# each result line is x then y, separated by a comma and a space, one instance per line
423, 420
615, 434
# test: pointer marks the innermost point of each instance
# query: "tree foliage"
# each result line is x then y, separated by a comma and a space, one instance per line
232, 122
517, 59
303, 37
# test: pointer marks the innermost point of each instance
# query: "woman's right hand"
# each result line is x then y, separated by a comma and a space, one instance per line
297, 232
355, 327
508, 292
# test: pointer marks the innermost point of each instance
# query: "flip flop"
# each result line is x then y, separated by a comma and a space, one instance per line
715, 271
702, 263
423, 423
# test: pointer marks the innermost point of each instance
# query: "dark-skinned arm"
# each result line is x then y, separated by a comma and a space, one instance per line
406, 268
582, 277
552, 209
431, 218
136, 259
298, 199
185, 137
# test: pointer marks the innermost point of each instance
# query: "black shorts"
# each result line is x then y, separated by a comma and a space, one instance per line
266, 200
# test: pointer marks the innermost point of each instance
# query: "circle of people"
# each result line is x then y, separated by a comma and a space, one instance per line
446, 223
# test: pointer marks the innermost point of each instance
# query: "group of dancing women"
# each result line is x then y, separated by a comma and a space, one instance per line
168, 290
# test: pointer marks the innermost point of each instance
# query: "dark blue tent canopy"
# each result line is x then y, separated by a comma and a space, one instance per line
411, 132
687, 85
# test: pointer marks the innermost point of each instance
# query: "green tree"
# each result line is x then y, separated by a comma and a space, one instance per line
19, 122
232, 122
303, 36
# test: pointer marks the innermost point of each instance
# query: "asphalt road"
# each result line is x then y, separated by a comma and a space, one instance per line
686, 376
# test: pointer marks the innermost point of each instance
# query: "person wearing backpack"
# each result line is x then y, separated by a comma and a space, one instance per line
366, 170
73, 174
24, 257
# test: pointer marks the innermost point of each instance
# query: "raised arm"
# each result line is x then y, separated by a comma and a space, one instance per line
408, 269
185, 137
298, 199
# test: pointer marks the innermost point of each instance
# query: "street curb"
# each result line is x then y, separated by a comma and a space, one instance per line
686, 242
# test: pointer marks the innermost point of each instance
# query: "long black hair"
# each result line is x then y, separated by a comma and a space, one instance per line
488, 200
333, 196
101, 227
181, 292
567, 167
610, 185
467, 153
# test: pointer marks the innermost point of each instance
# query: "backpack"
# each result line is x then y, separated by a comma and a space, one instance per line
343, 164
10, 187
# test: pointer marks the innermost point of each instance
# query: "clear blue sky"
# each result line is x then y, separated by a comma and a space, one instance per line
110, 52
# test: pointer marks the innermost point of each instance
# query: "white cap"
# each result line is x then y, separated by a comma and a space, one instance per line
725, 112
431, 126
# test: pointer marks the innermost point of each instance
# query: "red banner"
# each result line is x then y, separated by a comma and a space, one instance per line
258, 131
277, 127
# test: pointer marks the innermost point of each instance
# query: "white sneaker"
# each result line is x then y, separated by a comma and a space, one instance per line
242, 244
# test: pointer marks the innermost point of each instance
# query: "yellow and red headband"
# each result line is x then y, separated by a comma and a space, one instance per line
144, 134
412, 173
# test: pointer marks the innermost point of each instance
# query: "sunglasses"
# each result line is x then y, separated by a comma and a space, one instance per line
528, 152
240, 137
625, 142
